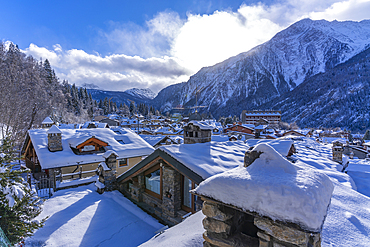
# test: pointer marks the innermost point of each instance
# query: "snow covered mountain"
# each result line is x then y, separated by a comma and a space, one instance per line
339, 97
141, 93
118, 97
254, 78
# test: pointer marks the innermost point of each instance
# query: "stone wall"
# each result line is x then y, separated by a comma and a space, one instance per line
110, 176
171, 191
169, 207
193, 134
227, 226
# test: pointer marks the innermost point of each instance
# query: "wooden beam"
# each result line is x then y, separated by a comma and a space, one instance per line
90, 141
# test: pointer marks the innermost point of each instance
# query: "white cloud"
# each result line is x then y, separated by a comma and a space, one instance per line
114, 72
354, 10
209, 39
168, 50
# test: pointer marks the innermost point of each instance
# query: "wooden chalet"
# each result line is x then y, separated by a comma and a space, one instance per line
77, 153
238, 128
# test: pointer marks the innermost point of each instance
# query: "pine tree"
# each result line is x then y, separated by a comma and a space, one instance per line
19, 205
132, 107
367, 135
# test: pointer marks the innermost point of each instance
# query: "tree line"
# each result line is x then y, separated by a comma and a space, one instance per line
30, 91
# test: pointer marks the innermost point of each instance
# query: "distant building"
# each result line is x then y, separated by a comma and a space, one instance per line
251, 117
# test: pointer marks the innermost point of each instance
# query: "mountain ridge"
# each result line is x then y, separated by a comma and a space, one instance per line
271, 69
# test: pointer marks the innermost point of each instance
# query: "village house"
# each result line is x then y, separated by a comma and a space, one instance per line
110, 122
158, 140
77, 153
169, 130
293, 133
91, 125
238, 128
160, 183
100, 117
251, 117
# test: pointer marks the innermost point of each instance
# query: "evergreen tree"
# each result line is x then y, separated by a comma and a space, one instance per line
367, 135
132, 107
19, 205
50, 74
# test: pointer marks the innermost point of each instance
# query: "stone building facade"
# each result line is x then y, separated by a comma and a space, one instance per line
228, 226
194, 133
160, 185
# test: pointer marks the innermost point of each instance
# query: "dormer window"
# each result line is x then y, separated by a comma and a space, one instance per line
92, 144
88, 148
120, 142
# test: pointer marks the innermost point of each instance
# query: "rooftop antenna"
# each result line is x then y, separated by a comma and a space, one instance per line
196, 99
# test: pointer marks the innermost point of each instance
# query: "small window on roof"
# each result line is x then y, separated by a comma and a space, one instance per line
116, 131
120, 142
123, 162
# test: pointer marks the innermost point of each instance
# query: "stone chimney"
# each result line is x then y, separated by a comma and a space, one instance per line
110, 174
54, 139
197, 132
47, 123
258, 212
337, 150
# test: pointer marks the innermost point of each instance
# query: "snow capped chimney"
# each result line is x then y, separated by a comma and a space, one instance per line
54, 139
47, 123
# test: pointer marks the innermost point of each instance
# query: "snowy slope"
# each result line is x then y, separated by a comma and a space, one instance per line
141, 93
271, 69
82, 217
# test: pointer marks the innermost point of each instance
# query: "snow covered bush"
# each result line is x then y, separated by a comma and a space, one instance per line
19, 205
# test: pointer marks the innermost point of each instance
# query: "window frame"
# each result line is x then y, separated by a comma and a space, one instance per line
183, 207
119, 162
152, 193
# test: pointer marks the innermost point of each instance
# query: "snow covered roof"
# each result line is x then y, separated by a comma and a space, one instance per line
208, 159
97, 125
109, 153
47, 120
280, 145
152, 140
366, 143
203, 125
274, 187
104, 165
54, 130
131, 146
69, 126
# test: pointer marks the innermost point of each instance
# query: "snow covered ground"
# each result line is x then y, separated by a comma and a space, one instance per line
82, 217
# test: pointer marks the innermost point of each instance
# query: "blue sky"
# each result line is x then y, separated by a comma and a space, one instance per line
117, 45
78, 24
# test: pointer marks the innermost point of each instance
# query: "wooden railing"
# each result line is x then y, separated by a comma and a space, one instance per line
74, 175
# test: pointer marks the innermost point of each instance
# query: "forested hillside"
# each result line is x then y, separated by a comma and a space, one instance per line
30, 91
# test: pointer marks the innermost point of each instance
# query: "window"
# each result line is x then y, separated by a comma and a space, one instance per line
153, 182
188, 199
88, 148
120, 142
123, 162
